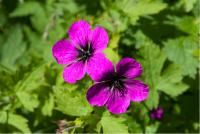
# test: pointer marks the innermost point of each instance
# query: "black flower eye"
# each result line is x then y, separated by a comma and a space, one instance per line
116, 84
86, 52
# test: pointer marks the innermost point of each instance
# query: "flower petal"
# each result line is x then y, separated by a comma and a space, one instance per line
64, 52
99, 39
118, 103
74, 72
137, 90
79, 33
98, 94
99, 68
129, 68
160, 112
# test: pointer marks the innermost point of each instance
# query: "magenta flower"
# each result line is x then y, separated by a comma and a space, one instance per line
83, 52
156, 113
115, 89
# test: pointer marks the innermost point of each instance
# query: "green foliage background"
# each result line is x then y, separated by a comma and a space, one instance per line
161, 34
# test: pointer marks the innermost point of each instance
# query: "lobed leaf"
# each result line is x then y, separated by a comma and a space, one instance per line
152, 63
179, 51
13, 48
26, 8
136, 8
70, 105
170, 82
111, 124
14, 120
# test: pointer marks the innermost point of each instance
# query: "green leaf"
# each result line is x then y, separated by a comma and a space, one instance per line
112, 55
32, 80
33, 8
170, 82
57, 31
141, 39
113, 124
36, 42
29, 101
173, 89
153, 99
38, 46
172, 74
188, 4
25, 87
26, 8
48, 106
71, 105
39, 19
15, 120
133, 125
187, 24
152, 63
69, 6
136, 8
152, 128
114, 41
93, 123
3, 18
114, 21
180, 52
13, 48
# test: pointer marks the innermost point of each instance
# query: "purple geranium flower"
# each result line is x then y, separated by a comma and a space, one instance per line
116, 89
83, 52
156, 113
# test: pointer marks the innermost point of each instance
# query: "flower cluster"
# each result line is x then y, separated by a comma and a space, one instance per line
157, 113
82, 53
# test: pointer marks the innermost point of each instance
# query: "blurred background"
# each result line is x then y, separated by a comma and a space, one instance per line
161, 34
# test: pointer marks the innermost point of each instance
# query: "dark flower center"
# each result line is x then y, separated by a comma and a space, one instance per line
117, 84
85, 52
